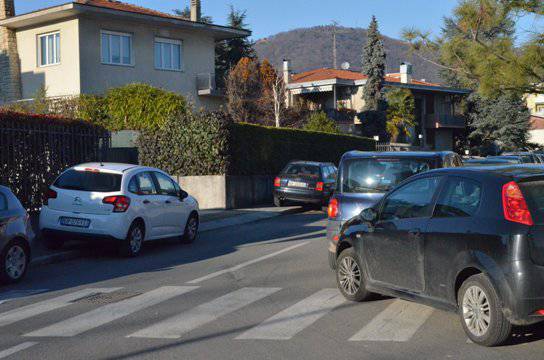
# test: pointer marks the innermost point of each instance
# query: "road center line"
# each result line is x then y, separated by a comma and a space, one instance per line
244, 264
16, 349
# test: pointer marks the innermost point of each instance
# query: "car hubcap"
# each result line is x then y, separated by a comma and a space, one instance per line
136, 240
349, 275
15, 262
476, 311
192, 228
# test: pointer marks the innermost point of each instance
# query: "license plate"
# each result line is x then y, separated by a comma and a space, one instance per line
76, 222
298, 184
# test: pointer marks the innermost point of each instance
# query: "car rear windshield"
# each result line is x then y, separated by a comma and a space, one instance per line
534, 194
89, 181
302, 170
380, 174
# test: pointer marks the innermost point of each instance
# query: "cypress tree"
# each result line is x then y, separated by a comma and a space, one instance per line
373, 67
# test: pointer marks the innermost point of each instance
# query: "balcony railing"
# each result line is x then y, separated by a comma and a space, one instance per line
438, 121
207, 86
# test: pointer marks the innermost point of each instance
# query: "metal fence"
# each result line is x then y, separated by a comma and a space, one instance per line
34, 153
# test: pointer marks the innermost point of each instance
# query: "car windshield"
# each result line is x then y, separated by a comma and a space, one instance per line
380, 174
89, 181
302, 170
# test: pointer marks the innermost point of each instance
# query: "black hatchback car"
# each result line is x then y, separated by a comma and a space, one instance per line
465, 239
305, 182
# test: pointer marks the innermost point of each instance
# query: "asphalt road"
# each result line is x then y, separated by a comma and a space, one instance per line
256, 291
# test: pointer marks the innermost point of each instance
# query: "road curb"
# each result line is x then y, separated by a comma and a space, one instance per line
214, 225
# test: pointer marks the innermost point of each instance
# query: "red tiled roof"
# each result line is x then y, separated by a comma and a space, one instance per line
537, 122
121, 6
330, 74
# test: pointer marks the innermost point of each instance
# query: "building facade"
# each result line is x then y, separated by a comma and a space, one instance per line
89, 46
340, 94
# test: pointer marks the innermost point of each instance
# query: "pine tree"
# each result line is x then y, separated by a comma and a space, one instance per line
373, 67
229, 52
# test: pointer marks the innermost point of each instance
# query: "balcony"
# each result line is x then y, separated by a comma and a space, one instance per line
206, 85
442, 121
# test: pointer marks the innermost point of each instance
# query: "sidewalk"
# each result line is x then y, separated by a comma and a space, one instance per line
209, 220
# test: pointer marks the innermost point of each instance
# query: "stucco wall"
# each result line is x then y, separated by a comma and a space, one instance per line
198, 57
59, 80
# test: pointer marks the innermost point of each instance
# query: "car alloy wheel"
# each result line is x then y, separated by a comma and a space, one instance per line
476, 311
15, 262
349, 275
136, 239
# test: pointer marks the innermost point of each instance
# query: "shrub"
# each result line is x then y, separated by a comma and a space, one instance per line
209, 144
319, 121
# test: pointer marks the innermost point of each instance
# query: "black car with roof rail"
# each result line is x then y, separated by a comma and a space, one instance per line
305, 182
469, 240
364, 177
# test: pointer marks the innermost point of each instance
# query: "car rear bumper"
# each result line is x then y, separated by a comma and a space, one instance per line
525, 295
111, 226
302, 195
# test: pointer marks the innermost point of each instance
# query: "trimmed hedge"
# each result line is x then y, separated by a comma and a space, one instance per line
36, 148
209, 144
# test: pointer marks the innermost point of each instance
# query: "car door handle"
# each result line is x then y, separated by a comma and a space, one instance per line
415, 232
146, 202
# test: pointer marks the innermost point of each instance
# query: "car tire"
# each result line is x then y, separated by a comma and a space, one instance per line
132, 245
52, 243
191, 230
332, 260
350, 277
14, 259
479, 304
278, 202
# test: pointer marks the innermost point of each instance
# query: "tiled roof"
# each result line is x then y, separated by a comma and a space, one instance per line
330, 74
121, 6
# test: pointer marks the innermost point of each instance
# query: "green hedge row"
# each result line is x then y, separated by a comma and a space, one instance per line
209, 144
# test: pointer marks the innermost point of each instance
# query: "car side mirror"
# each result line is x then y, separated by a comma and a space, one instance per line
369, 215
183, 195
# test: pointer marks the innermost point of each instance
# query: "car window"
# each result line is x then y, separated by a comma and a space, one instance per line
91, 181
166, 185
459, 198
414, 200
3, 202
145, 184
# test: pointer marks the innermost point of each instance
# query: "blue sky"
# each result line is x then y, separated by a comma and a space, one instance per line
270, 17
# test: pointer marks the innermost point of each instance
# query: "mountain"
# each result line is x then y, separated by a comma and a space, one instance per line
311, 48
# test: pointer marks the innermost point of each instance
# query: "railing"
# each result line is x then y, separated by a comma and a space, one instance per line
437, 121
206, 84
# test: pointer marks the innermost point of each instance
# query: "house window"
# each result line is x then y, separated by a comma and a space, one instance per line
49, 49
168, 54
116, 48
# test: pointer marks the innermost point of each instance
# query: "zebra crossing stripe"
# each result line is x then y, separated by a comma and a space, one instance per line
41, 307
289, 322
175, 327
16, 349
397, 323
108, 313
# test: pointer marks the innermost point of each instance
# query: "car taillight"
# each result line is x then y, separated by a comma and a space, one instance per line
277, 182
51, 194
319, 186
514, 205
120, 203
333, 209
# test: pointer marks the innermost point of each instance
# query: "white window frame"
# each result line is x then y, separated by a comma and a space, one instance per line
46, 35
173, 42
116, 33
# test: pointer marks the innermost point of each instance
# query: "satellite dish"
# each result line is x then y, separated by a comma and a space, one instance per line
345, 65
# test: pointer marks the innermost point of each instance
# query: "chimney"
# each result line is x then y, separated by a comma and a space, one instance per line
406, 73
10, 73
286, 71
196, 10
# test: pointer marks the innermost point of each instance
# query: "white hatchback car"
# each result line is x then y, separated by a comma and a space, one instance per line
127, 203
